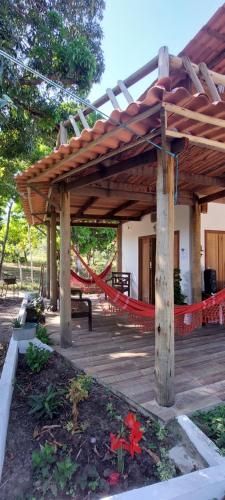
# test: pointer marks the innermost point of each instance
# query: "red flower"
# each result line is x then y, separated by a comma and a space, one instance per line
134, 447
116, 442
130, 420
113, 478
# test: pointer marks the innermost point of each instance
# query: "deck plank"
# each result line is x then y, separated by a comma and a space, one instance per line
122, 356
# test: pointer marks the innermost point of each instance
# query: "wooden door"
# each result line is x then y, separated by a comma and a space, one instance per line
147, 252
215, 255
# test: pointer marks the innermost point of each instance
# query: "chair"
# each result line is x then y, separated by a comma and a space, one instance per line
121, 282
82, 308
8, 280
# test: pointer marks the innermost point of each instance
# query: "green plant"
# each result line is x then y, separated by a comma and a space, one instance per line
53, 474
63, 472
42, 335
160, 431
78, 391
179, 297
16, 323
36, 358
110, 410
46, 404
165, 467
212, 423
43, 459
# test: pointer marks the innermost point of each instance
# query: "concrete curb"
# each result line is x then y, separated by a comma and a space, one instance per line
205, 484
6, 391
205, 447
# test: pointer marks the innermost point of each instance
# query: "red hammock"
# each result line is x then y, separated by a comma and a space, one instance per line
76, 279
187, 318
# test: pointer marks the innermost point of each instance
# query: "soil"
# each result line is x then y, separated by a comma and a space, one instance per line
88, 447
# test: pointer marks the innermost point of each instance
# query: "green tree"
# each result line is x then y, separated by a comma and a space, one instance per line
62, 40
94, 243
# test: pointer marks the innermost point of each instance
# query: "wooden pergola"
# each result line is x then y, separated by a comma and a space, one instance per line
126, 167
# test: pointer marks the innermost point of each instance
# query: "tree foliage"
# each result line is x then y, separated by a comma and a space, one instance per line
93, 242
60, 39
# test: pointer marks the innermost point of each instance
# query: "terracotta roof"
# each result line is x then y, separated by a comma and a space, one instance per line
208, 44
106, 138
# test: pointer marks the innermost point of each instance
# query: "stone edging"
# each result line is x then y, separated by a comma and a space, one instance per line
6, 390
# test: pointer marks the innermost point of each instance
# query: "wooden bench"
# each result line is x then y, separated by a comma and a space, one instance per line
84, 311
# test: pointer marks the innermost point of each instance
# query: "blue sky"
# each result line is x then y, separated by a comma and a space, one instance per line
135, 29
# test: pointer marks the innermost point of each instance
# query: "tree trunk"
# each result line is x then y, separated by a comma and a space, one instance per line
5, 237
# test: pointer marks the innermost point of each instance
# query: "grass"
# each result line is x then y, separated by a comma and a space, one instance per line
12, 268
212, 423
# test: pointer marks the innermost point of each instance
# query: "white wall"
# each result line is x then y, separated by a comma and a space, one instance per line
214, 219
130, 234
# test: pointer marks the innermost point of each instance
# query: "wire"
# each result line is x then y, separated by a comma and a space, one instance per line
58, 86
79, 99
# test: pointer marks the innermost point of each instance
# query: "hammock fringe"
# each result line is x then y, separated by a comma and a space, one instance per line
187, 317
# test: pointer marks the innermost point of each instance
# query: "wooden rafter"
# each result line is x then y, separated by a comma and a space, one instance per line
212, 197
120, 208
111, 154
86, 205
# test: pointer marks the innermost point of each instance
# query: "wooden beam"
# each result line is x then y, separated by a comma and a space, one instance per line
130, 193
135, 77
121, 207
212, 197
198, 141
194, 115
48, 198
53, 264
193, 75
164, 294
115, 169
203, 180
209, 82
94, 224
86, 205
196, 254
48, 261
176, 63
70, 158
119, 248
65, 291
105, 217
163, 63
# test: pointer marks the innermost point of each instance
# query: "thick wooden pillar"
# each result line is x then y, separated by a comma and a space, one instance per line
196, 253
53, 265
48, 262
119, 248
164, 293
65, 291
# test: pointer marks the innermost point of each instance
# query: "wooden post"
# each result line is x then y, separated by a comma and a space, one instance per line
164, 293
48, 262
196, 253
65, 291
53, 266
119, 248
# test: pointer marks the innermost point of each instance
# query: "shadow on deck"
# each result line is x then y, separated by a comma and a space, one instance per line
122, 356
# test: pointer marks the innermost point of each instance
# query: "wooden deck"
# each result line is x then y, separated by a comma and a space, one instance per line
119, 354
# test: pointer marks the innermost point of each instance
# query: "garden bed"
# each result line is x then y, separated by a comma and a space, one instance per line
53, 457
212, 423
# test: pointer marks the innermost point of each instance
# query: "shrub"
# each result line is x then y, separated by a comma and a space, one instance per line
42, 335
46, 404
78, 391
36, 358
